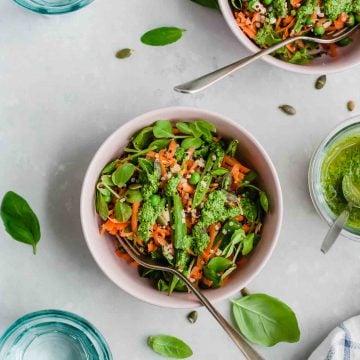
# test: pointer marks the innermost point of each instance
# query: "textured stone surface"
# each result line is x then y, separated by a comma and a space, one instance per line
62, 92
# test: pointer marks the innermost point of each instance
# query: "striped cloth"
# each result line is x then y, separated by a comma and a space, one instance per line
343, 343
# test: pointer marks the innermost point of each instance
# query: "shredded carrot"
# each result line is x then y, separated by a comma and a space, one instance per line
212, 234
229, 160
123, 255
239, 218
246, 228
134, 216
151, 247
113, 227
206, 281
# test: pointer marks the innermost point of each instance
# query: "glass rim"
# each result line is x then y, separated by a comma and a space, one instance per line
23, 323
315, 163
52, 9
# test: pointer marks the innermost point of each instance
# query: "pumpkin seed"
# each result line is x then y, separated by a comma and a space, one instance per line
135, 186
351, 105
192, 317
288, 109
124, 53
320, 82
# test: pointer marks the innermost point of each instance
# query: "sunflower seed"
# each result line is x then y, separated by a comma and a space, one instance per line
135, 186
351, 105
288, 109
124, 53
192, 317
320, 82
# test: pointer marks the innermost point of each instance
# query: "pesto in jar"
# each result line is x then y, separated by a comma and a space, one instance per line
341, 159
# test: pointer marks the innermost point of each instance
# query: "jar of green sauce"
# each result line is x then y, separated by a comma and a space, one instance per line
337, 155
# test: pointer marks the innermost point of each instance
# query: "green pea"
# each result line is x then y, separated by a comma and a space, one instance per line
357, 17
319, 30
351, 21
309, 21
293, 12
155, 200
194, 178
268, 2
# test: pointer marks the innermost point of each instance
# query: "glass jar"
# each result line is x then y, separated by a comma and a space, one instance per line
345, 130
55, 335
52, 7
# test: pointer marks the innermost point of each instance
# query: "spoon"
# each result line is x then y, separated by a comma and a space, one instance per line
351, 192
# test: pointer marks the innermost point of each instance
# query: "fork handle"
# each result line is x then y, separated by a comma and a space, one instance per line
248, 351
205, 81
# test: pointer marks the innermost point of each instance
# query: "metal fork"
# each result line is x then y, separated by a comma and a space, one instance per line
242, 344
205, 81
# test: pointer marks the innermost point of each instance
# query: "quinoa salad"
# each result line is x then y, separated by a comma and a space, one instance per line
182, 197
268, 22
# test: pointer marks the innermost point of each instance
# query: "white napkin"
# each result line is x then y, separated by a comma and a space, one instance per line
343, 343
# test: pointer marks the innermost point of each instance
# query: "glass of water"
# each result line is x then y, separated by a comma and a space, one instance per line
52, 7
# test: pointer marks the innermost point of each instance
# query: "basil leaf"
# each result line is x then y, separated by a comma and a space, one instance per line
213, 4
203, 124
142, 138
264, 201
123, 174
211, 275
278, 321
110, 167
162, 36
248, 244
101, 206
219, 264
191, 143
159, 144
184, 128
106, 179
169, 346
122, 211
19, 220
163, 129
219, 172
133, 196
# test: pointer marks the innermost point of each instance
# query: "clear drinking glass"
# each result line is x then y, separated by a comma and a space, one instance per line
347, 128
52, 7
53, 335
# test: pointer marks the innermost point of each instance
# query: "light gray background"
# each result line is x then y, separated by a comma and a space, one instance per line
62, 92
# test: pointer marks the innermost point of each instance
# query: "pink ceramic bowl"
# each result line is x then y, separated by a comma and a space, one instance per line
102, 247
348, 56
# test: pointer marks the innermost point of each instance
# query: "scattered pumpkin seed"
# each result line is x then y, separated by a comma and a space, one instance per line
124, 53
192, 317
320, 82
288, 109
135, 186
351, 105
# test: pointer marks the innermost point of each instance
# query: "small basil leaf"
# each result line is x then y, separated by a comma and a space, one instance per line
123, 174
162, 36
213, 4
142, 138
211, 275
219, 264
264, 201
103, 190
19, 220
248, 244
163, 129
133, 196
203, 124
184, 128
169, 346
250, 176
191, 143
219, 172
101, 206
237, 237
227, 273
106, 179
147, 166
122, 211
162, 285
278, 321
159, 144
110, 167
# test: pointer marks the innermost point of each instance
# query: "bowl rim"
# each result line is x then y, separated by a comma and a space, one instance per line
297, 68
315, 166
197, 112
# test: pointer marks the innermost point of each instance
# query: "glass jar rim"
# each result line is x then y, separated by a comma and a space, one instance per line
314, 170
27, 321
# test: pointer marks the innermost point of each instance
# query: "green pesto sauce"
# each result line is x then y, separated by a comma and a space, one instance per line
339, 160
